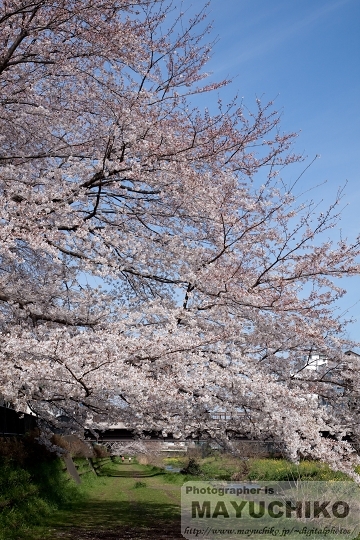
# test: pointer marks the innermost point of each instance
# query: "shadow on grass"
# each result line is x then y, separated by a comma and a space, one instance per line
129, 474
109, 514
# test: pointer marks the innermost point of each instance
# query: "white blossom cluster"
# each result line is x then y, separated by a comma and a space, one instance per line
155, 266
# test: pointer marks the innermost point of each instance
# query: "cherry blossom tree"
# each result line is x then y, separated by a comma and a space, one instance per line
156, 266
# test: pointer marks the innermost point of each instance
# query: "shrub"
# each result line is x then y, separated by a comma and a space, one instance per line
73, 445
32, 485
29, 493
192, 468
139, 485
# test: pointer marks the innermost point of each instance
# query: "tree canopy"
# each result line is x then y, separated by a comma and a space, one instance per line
155, 266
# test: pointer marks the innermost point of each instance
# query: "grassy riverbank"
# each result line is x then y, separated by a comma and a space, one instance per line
227, 467
124, 495
45, 504
33, 485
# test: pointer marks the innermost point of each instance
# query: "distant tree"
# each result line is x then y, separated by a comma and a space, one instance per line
155, 266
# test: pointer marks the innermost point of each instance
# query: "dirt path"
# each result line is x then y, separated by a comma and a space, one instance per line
126, 503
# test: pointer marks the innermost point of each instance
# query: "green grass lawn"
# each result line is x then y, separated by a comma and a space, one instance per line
131, 495
123, 494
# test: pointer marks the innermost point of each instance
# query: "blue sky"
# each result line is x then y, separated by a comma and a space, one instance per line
306, 54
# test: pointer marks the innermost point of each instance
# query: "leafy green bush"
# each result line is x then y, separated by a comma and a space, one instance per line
22, 502
192, 468
33, 483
